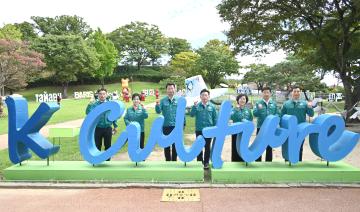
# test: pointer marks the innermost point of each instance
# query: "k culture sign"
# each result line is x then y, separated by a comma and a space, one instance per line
328, 137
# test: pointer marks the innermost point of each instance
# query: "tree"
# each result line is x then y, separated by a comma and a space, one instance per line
177, 45
106, 53
184, 63
10, 32
285, 75
27, 30
62, 25
66, 56
329, 29
158, 45
259, 74
138, 41
17, 64
217, 61
295, 71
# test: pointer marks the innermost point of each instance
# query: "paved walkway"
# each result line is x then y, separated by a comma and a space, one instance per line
211, 199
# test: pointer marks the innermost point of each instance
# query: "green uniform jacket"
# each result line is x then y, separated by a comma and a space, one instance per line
261, 114
168, 109
138, 115
103, 121
298, 109
204, 116
238, 114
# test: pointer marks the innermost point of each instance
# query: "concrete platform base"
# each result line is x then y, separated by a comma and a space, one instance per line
281, 172
123, 171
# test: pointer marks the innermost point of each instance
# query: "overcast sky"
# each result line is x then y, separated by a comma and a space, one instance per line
197, 21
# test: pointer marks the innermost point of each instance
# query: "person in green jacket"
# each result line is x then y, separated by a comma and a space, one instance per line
137, 113
205, 116
238, 114
167, 106
263, 108
298, 108
104, 128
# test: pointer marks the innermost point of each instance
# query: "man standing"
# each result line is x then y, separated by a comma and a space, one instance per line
205, 116
103, 129
298, 108
263, 108
167, 106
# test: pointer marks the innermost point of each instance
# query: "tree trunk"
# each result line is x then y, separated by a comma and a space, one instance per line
351, 97
2, 91
65, 87
102, 82
138, 65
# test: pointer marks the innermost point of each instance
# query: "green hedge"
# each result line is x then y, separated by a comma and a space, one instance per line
146, 74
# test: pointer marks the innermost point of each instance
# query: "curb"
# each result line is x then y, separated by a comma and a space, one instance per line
87, 185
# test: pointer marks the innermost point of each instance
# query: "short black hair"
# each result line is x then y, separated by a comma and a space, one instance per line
101, 89
169, 84
241, 95
295, 87
134, 95
266, 88
204, 90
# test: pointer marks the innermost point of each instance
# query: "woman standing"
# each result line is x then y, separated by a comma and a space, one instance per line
137, 113
239, 113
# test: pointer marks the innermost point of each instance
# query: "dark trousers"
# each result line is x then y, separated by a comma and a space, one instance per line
101, 133
142, 139
170, 152
269, 153
301, 151
206, 157
235, 157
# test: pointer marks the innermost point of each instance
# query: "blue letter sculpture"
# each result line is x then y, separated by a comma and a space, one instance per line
132, 134
333, 142
327, 135
86, 138
185, 154
24, 132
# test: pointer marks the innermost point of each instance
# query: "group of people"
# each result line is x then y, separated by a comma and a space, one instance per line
205, 114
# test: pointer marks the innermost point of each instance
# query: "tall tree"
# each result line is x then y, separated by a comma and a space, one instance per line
106, 53
62, 25
184, 64
138, 41
17, 64
159, 45
177, 45
217, 60
329, 29
27, 30
295, 71
10, 32
66, 56
259, 74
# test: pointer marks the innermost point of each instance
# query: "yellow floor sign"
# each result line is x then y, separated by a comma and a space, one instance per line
180, 195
